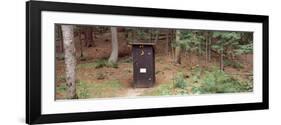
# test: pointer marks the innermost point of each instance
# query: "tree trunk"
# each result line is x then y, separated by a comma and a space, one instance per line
114, 53
156, 37
89, 37
177, 49
178, 55
151, 34
81, 43
70, 61
168, 41
60, 39
210, 43
221, 61
206, 49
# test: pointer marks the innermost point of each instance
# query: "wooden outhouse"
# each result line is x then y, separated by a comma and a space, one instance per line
143, 65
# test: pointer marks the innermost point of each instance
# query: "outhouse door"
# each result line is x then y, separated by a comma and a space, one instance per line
143, 65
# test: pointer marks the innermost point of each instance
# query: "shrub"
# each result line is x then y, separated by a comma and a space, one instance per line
217, 81
233, 64
195, 74
179, 81
100, 63
82, 90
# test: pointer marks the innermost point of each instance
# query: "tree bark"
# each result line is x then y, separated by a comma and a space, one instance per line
178, 55
88, 36
221, 61
210, 43
81, 43
70, 61
168, 41
114, 53
60, 39
177, 49
81, 48
206, 49
156, 37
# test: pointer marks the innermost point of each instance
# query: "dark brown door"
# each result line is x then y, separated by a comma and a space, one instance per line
143, 66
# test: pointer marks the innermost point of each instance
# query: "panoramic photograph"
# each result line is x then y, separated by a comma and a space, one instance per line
94, 62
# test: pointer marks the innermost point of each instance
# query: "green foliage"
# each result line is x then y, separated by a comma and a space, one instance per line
230, 43
226, 41
191, 40
244, 49
196, 74
141, 34
82, 90
98, 64
61, 88
217, 81
112, 65
179, 81
207, 81
234, 64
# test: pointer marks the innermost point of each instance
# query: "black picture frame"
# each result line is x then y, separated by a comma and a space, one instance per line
33, 61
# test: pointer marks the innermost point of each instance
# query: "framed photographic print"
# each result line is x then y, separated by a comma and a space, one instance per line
95, 62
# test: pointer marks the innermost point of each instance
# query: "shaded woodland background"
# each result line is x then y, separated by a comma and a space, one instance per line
96, 62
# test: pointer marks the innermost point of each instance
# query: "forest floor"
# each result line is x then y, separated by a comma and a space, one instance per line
97, 79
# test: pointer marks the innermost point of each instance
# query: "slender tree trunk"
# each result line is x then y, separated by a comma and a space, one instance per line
156, 37
210, 43
114, 53
81, 43
221, 61
172, 47
177, 49
151, 34
189, 58
173, 54
178, 55
70, 61
206, 49
200, 49
168, 41
60, 39
88, 36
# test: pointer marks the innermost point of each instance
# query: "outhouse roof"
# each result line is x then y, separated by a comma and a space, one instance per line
138, 43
